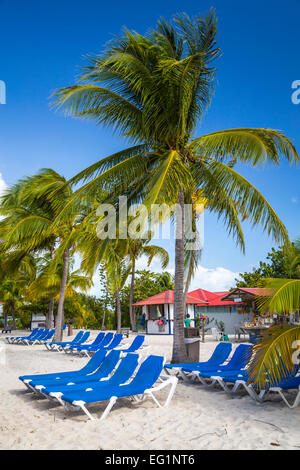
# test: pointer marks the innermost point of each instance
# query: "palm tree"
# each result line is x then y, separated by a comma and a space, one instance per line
154, 90
117, 269
30, 209
18, 269
136, 249
276, 350
12, 298
48, 282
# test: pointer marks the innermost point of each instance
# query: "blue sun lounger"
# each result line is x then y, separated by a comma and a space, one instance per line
136, 345
47, 334
241, 379
15, 339
122, 374
105, 368
102, 377
142, 384
239, 361
81, 337
117, 339
218, 357
86, 348
41, 334
73, 347
92, 365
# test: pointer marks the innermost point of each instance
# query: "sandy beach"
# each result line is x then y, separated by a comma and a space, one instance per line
198, 417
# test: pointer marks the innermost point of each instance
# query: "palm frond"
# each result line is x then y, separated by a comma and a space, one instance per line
275, 356
284, 296
246, 196
249, 145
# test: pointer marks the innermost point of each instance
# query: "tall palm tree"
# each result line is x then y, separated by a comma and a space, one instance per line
154, 90
30, 209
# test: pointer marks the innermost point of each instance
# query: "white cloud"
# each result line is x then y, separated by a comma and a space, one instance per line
214, 280
294, 200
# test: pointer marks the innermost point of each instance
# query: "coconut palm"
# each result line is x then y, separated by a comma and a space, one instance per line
118, 268
18, 270
154, 90
11, 295
48, 281
29, 209
276, 350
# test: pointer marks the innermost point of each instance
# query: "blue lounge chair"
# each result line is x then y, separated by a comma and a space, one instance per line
117, 339
136, 344
104, 370
54, 346
15, 339
292, 383
83, 339
123, 373
109, 337
289, 382
86, 348
77, 348
92, 365
238, 362
142, 384
218, 357
48, 334
39, 335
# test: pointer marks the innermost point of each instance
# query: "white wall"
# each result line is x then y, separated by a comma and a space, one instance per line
230, 320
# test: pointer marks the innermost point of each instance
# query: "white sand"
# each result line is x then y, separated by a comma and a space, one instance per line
198, 417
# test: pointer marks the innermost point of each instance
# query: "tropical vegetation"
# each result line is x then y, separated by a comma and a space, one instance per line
154, 90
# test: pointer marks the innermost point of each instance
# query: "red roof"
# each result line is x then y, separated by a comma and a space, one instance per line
256, 290
166, 298
253, 291
210, 299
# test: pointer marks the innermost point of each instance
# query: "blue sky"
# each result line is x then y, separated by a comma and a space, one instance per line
42, 48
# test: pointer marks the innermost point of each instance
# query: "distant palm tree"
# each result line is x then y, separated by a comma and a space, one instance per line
48, 282
11, 294
17, 270
118, 268
154, 90
30, 208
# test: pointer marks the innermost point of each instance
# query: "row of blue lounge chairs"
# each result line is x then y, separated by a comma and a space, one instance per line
103, 341
107, 376
233, 374
37, 336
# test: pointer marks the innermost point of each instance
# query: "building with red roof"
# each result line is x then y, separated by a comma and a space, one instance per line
158, 311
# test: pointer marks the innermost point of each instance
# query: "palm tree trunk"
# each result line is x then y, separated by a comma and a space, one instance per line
103, 318
5, 317
60, 308
13, 314
118, 309
179, 350
49, 319
131, 312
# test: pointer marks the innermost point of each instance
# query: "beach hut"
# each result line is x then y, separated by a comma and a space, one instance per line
158, 312
219, 306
